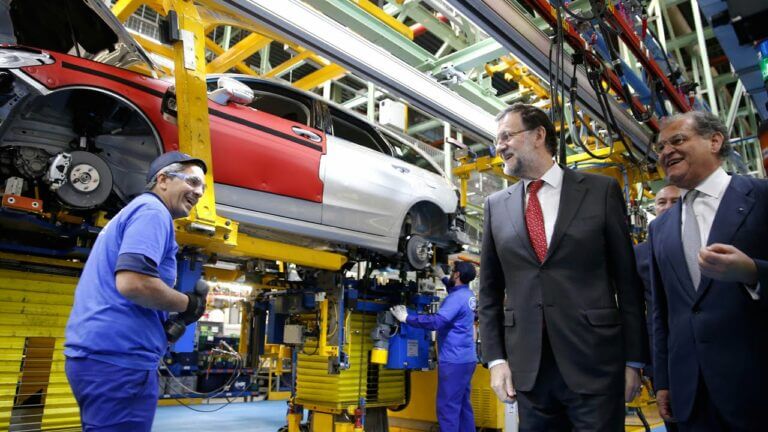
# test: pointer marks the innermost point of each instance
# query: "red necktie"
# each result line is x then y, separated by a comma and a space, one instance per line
534, 220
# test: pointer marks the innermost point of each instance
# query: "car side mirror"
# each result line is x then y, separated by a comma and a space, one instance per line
231, 90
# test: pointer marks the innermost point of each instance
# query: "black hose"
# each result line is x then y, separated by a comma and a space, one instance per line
407, 392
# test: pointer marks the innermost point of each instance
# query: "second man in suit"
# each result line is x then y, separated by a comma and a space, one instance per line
709, 273
561, 305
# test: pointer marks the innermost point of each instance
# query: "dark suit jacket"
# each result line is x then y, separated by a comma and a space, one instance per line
643, 261
717, 331
587, 288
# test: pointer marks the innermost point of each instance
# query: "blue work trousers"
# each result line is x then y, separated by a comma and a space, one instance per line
454, 409
113, 398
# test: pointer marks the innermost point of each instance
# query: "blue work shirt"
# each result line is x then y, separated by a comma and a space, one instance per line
106, 326
455, 325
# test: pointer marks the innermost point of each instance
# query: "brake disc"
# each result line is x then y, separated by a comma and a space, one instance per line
419, 252
89, 181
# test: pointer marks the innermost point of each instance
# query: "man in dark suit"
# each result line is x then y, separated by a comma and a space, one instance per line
709, 271
560, 304
663, 201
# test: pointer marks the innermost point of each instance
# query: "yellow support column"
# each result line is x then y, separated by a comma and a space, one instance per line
192, 98
193, 122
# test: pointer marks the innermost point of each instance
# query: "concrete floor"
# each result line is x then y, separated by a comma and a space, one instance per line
265, 416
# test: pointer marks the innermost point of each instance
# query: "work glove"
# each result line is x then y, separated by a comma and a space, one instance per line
177, 325
196, 306
399, 312
437, 270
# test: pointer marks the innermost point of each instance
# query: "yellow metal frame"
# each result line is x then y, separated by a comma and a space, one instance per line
247, 47
488, 409
514, 70
324, 348
384, 17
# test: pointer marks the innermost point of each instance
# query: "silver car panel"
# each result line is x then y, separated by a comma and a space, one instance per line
364, 189
268, 203
381, 244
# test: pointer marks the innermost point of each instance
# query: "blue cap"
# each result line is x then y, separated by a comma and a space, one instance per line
467, 272
169, 158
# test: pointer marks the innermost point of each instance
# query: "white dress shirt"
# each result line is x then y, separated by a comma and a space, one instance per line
549, 197
705, 206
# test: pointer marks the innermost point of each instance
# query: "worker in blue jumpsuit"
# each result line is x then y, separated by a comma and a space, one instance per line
457, 358
115, 335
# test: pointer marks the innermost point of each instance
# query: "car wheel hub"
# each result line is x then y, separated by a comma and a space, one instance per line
419, 252
84, 178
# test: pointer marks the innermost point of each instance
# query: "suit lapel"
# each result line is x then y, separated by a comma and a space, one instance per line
571, 195
733, 209
673, 242
515, 203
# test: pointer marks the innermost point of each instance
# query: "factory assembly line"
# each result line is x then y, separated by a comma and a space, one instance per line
394, 215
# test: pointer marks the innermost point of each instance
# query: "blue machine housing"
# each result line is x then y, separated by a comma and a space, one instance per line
409, 348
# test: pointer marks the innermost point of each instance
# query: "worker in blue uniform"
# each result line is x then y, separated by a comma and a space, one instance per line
457, 357
115, 335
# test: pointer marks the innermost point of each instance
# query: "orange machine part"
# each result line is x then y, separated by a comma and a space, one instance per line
21, 203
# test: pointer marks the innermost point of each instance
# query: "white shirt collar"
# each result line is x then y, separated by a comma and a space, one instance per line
553, 177
714, 185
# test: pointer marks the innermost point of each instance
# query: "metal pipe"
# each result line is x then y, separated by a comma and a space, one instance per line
704, 57
447, 152
371, 107
734, 108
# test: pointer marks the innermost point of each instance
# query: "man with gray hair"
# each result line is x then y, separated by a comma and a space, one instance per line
709, 270
115, 336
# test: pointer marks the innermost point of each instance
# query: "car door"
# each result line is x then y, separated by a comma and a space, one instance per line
366, 189
266, 156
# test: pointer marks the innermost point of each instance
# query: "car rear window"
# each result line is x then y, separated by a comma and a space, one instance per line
406, 153
351, 129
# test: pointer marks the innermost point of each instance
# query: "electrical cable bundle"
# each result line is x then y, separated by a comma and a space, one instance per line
594, 78
224, 348
558, 90
556, 78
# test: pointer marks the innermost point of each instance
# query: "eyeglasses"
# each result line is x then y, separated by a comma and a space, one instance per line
192, 180
675, 141
506, 136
